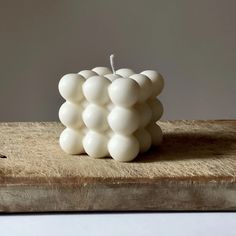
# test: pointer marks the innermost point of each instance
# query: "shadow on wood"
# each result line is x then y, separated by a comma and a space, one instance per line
180, 146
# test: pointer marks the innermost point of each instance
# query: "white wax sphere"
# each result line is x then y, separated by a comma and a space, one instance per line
102, 70
70, 115
95, 144
157, 109
84, 103
156, 134
157, 80
144, 139
112, 77
145, 84
71, 141
110, 106
125, 72
145, 113
123, 120
87, 73
109, 133
95, 117
70, 87
95, 89
124, 92
123, 148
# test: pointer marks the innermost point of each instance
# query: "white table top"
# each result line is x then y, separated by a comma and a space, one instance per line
181, 224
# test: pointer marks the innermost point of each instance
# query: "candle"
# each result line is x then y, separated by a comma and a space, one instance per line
110, 113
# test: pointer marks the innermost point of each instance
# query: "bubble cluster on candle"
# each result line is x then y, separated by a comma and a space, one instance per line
109, 114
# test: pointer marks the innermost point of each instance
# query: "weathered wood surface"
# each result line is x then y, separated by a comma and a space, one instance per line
194, 169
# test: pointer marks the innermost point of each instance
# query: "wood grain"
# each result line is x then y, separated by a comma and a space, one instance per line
194, 169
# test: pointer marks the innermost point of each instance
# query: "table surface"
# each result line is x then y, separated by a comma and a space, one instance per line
190, 149
142, 224
196, 161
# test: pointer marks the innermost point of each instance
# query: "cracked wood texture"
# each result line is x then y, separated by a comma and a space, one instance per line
194, 169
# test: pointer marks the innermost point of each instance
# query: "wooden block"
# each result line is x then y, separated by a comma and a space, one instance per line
194, 169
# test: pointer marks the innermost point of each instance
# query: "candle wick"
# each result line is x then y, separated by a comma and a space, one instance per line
112, 63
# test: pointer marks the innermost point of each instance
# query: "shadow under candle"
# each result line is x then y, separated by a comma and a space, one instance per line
182, 146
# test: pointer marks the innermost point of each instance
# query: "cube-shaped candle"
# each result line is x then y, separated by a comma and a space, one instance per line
110, 114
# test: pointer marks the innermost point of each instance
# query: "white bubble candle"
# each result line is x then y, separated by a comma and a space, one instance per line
110, 113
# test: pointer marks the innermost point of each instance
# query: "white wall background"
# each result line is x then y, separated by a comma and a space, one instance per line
192, 43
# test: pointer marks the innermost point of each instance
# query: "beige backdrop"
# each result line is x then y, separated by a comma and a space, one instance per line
192, 43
